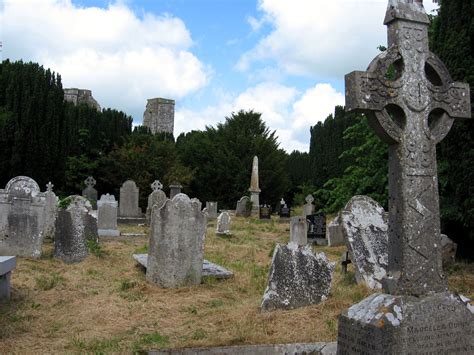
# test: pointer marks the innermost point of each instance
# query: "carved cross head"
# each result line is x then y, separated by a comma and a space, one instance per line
157, 185
49, 186
309, 199
90, 181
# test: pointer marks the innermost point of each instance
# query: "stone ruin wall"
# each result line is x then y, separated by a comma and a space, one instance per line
81, 96
159, 115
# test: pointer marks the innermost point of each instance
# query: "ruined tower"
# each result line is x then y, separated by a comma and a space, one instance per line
159, 115
81, 96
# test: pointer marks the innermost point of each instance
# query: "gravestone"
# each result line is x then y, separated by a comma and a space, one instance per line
223, 224
73, 228
175, 189
308, 207
364, 225
211, 210
157, 197
297, 278
265, 212
243, 207
90, 192
107, 216
448, 251
412, 109
335, 233
50, 211
22, 218
128, 204
176, 249
285, 214
317, 228
299, 230
255, 189
7, 264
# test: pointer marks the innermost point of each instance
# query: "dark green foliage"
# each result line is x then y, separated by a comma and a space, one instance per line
221, 159
452, 39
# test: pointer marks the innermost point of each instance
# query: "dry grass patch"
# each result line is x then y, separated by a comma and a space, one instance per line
104, 304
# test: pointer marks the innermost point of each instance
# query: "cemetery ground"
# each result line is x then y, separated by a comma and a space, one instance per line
104, 304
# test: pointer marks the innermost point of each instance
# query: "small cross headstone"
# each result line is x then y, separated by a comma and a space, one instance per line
411, 101
157, 185
49, 187
90, 192
157, 197
308, 208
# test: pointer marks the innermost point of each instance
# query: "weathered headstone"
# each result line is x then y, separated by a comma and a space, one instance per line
335, 233
308, 207
223, 224
128, 204
90, 192
299, 230
265, 212
107, 216
448, 252
7, 264
255, 189
243, 208
297, 278
157, 197
211, 210
50, 210
411, 100
365, 227
73, 228
22, 218
175, 189
176, 250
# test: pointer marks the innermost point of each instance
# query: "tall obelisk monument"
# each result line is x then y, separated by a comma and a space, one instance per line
254, 189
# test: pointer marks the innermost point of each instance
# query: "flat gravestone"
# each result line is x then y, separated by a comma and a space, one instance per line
411, 101
223, 224
176, 251
22, 218
90, 192
297, 278
128, 204
107, 216
209, 269
73, 228
211, 207
364, 226
7, 264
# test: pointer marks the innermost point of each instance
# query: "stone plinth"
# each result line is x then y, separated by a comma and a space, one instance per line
7, 264
442, 323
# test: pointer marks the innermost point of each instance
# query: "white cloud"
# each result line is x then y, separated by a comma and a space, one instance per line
124, 59
320, 38
283, 109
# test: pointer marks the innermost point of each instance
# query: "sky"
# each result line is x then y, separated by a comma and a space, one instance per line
285, 59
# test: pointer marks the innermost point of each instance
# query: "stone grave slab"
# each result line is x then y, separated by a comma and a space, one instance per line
7, 264
208, 269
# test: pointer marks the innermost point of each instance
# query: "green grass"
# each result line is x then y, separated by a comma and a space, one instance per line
148, 341
46, 283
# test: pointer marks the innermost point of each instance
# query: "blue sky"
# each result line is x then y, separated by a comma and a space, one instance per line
285, 59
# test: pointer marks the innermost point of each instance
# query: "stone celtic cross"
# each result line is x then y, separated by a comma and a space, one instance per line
49, 186
157, 185
90, 181
411, 102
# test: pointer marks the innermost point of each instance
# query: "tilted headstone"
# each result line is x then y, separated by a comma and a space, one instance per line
128, 204
50, 211
90, 192
107, 216
74, 226
176, 249
22, 218
299, 230
211, 210
175, 189
297, 278
157, 197
364, 226
223, 224
243, 207
411, 101
308, 207
335, 233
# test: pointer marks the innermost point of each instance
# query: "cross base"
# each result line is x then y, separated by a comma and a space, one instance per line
441, 323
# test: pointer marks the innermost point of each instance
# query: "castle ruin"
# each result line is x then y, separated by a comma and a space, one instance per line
81, 96
159, 115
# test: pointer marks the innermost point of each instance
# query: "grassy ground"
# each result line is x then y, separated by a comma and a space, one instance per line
105, 305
